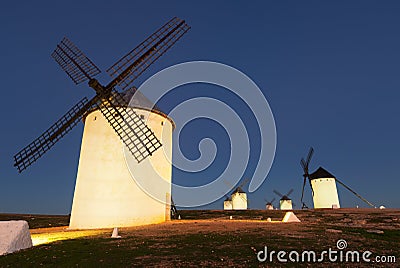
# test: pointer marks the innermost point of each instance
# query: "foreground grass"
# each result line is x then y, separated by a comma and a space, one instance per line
204, 249
215, 241
38, 221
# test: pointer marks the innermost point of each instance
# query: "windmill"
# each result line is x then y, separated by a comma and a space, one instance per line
269, 205
105, 192
239, 197
228, 203
323, 186
285, 203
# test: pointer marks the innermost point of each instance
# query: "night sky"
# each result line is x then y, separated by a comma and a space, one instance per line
329, 70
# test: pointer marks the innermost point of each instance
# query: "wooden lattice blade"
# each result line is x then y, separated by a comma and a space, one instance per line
129, 67
28, 155
131, 129
72, 60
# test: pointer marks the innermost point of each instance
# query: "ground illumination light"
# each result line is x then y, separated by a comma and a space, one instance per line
46, 238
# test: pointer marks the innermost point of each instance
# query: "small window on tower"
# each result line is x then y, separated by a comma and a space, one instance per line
95, 118
142, 117
162, 123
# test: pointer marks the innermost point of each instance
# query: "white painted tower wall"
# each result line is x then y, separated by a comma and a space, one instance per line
239, 201
285, 204
106, 195
325, 193
228, 205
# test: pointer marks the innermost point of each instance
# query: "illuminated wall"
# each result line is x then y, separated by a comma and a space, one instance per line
106, 195
228, 205
239, 200
285, 204
325, 193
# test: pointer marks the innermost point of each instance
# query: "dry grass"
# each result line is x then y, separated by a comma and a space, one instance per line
209, 238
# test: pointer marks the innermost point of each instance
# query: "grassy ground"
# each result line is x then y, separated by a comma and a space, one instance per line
38, 221
209, 238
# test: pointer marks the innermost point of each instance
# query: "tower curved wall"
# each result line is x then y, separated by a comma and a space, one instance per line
106, 195
325, 193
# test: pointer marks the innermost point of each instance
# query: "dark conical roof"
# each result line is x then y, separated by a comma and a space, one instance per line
239, 190
321, 173
285, 197
139, 100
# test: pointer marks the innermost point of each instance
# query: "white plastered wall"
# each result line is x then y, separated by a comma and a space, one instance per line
325, 193
239, 200
106, 195
228, 205
285, 204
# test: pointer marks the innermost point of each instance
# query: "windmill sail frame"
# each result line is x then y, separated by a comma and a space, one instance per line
134, 133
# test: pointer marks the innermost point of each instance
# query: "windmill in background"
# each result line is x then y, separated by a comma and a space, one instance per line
269, 205
238, 197
105, 193
323, 186
228, 203
285, 203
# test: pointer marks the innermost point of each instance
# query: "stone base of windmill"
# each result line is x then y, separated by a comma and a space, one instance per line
14, 236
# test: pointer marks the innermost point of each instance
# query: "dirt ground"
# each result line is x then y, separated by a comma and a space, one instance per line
210, 238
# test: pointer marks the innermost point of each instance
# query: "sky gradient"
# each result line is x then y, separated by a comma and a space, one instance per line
329, 70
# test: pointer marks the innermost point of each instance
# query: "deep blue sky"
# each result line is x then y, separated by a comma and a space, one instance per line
330, 71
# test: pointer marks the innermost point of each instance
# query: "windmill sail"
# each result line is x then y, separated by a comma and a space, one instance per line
135, 134
28, 155
133, 64
78, 67
305, 164
131, 129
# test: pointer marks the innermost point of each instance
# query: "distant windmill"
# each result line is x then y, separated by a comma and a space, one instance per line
323, 186
285, 203
238, 197
228, 203
105, 193
269, 205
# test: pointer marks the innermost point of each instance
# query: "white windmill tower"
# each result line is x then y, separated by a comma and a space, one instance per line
323, 186
285, 203
239, 199
228, 203
269, 205
106, 194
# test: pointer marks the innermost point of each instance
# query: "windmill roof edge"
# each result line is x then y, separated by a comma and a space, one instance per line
321, 173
